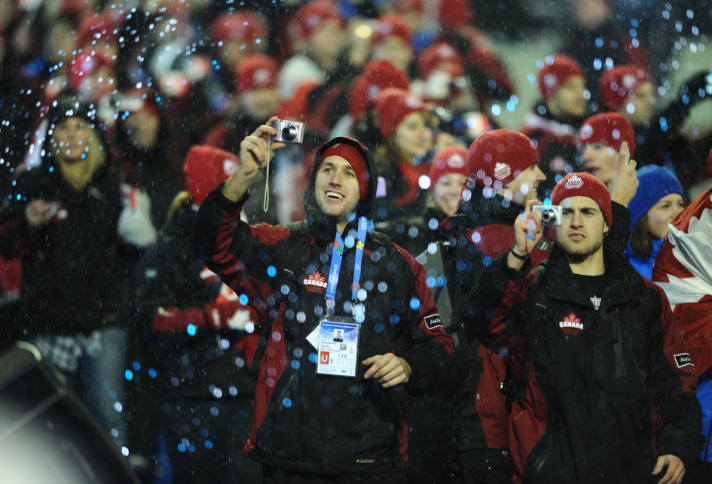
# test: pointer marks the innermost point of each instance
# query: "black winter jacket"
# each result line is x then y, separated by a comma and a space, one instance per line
318, 423
595, 376
73, 277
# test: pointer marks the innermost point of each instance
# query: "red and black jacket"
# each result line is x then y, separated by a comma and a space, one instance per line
310, 422
596, 376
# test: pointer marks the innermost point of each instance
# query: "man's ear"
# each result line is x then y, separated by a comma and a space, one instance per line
605, 229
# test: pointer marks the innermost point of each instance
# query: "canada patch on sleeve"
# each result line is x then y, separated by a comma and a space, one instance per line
433, 321
683, 359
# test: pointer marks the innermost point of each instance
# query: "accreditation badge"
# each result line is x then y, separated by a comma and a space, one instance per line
338, 346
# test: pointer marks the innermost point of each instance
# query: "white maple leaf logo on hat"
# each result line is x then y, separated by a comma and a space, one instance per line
502, 171
574, 182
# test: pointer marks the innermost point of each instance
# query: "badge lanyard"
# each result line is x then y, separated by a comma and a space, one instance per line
335, 269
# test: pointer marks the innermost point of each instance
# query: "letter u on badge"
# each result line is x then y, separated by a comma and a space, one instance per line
324, 357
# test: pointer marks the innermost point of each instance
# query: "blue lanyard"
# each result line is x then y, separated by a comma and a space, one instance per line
336, 257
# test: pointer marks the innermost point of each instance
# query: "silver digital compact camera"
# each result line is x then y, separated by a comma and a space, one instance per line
550, 214
288, 131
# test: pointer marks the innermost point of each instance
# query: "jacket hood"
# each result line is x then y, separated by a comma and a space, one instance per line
365, 206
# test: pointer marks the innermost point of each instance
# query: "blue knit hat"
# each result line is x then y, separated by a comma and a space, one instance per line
656, 182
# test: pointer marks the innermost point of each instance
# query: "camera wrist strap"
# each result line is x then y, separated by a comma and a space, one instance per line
265, 200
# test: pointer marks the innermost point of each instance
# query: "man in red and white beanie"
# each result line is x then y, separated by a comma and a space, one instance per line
553, 124
587, 296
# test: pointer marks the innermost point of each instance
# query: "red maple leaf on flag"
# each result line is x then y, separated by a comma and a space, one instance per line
683, 269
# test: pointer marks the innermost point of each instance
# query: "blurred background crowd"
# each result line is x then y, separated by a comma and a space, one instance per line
154, 80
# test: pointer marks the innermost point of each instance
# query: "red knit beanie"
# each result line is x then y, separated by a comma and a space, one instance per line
452, 159
256, 71
618, 83
441, 53
393, 105
557, 69
610, 129
311, 16
377, 76
356, 160
584, 185
499, 156
245, 25
205, 168
391, 25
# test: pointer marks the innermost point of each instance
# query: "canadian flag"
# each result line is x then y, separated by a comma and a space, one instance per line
683, 268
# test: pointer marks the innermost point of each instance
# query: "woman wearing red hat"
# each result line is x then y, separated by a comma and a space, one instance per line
402, 158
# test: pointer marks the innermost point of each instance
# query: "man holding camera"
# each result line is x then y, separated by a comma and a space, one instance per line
325, 409
593, 349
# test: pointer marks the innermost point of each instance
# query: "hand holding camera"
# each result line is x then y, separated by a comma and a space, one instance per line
528, 231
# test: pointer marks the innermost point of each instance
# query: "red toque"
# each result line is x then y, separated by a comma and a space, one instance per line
256, 71
205, 168
391, 25
441, 53
452, 159
393, 105
557, 69
610, 129
499, 156
616, 84
355, 159
584, 185
246, 26
378, 75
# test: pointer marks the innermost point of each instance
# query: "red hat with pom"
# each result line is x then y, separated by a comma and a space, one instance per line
391, 25
393, 105
256, 71
610, 129
441, 56
557, 69
584, 185
497, 157
452, 159
617, 83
